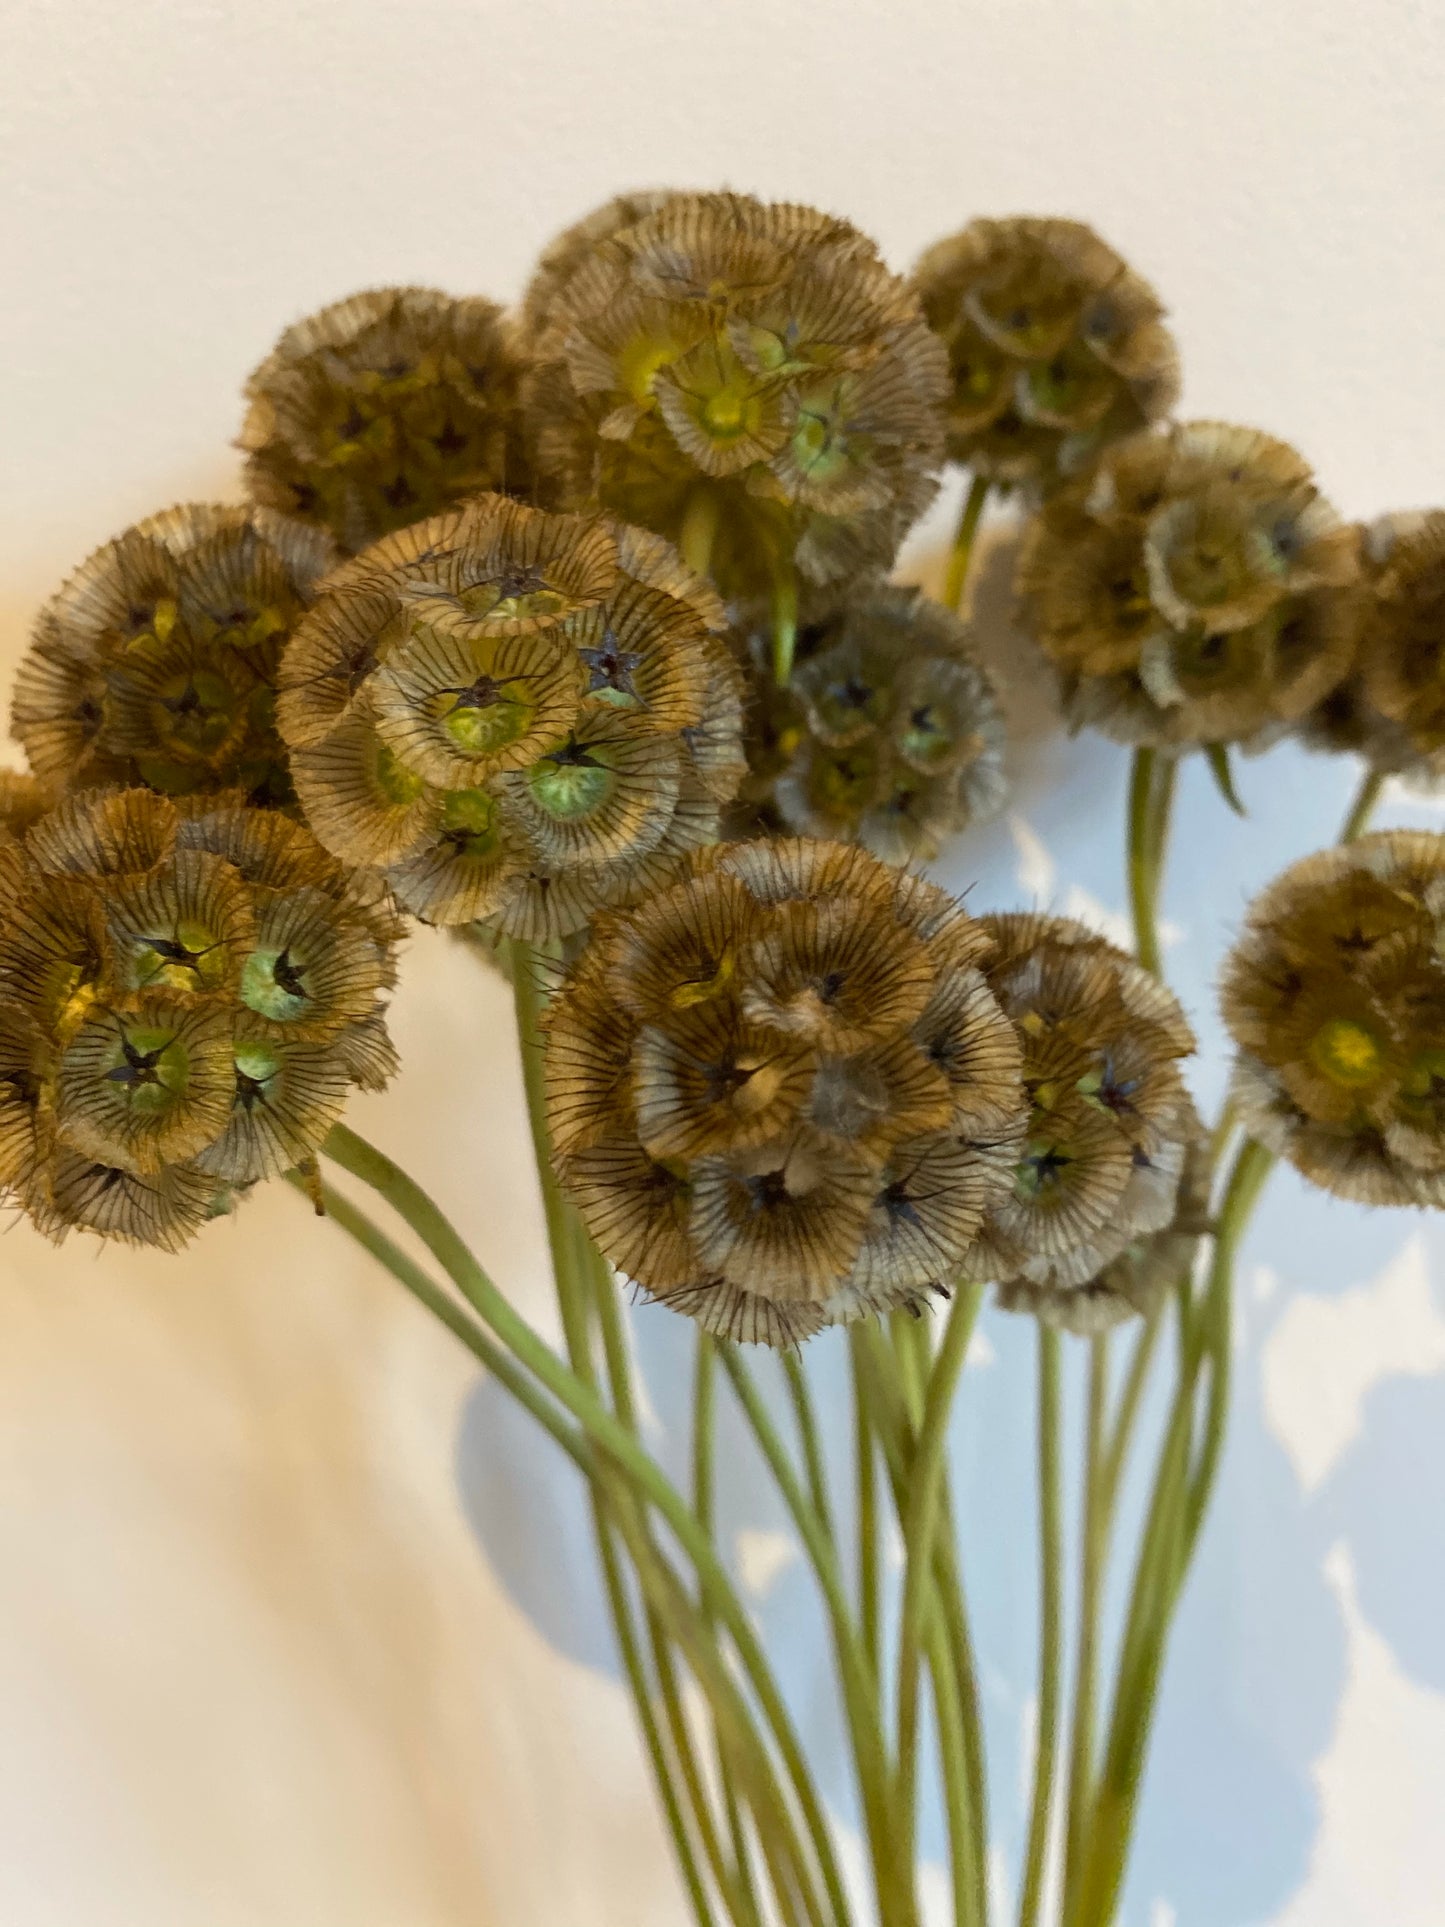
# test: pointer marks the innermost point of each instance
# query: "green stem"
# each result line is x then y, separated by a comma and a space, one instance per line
1363, 808
1127, 1412
808, 1438
522, 1387
950, 1650
1151, 796
1051, 1562
573, 1271
1176, 1515
955, 580
699, 528
893, 1870
704, 1435
919, 1522
603, 1430
785, 621
1092, 1556
866, 1474
1252, 1166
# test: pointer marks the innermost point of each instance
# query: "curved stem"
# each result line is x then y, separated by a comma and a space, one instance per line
704, 1435
1051, 1561
919, 1521
893, 1870
809, 1438
950, 1649
955, 579
1092, 1556
866, 1477
1151, 796
1363, 807
1252, 1166
603, 1430
785, 621
1175, 1518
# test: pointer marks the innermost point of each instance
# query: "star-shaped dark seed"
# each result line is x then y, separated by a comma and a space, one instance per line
139, 1067
610, 666
288, 976
767, 1191
900, 1207
572, 755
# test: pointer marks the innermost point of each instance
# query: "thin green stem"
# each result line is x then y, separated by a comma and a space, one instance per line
1093, 1552
574, 1272
1175, 1518
1051, 1607
955, 579
865, 1458
809, 1438
1363, 807
919, 1522
1151, 796
502, 1368
893, 1871
1126, 1413
881, 1373
1252, 1166
785, 621
704, 1439
583, 1276
699, 528
605, 1431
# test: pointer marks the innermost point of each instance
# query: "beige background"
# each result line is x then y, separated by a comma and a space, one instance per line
254, 1665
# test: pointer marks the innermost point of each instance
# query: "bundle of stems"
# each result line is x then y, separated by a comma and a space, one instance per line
753, 1840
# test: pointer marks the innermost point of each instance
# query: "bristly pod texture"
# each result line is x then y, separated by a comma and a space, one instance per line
1194, 587
156, 662
754, 367
514, 718
383, 409
1055, 347
781, 1092
1335, 997
188, 993
1104, 1200
889, 734
1392, 709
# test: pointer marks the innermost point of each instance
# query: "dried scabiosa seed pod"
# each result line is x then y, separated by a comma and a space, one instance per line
1111, 1129
1055, 347
1400, 672
1135, 1282
514, 717
781, 1092
747, 368
1335, 996
890, 733
1193, 587
156, 662
383, 409
187, 995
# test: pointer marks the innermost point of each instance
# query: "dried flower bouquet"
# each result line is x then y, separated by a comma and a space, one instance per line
569, 629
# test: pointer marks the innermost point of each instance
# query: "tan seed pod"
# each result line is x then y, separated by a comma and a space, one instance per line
1193, 588
781, 1092
1055, 347
187, 997
383, 409
513, 718
710, 357
1335, 997
156, 662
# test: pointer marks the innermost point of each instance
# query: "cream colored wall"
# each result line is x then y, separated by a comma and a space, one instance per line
254, 1667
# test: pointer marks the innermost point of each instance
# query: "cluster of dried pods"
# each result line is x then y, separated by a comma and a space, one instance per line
559, 624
